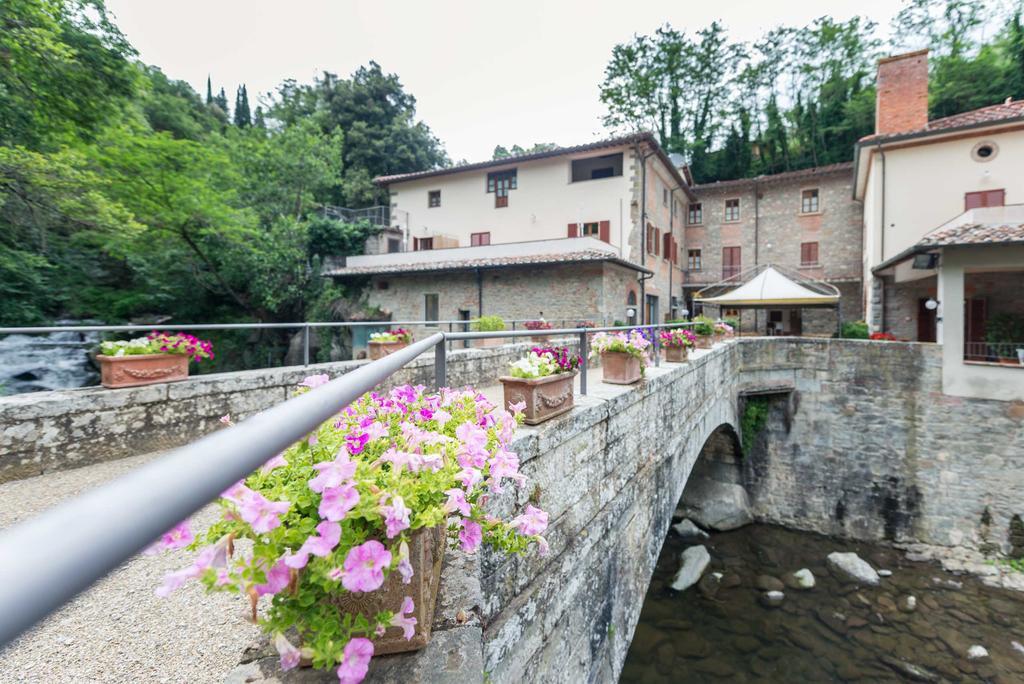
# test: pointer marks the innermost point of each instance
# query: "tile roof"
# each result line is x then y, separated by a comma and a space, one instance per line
993, 114
974, 234
778, 177
482, 262
632, 138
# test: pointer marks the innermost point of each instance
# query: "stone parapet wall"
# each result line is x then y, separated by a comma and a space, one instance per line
46, 431
869, 447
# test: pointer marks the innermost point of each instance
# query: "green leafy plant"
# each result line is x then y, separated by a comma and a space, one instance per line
854, 330
704, 326
489, 324
1004, 328
755, 417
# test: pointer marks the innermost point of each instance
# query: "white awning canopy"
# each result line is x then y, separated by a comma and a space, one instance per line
767, 287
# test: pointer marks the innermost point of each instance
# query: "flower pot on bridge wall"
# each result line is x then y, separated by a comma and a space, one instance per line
141, 369
545, 397
378, 350
489, 342
719, 337
704, 342
677, 354
426, 550
620, 368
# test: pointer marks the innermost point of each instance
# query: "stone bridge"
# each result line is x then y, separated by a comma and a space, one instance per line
860, 427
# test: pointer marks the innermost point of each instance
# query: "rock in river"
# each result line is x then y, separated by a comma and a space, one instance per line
687, 530
977, 651
801, 579
772, 599
695, 561
768, 583
715, 505
851, 567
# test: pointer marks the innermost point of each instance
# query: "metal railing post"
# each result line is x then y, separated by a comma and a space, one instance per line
657, 346
305, 345
440, 365
453, 341
583, 364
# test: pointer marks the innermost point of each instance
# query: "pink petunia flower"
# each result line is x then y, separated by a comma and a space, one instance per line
277, 579
178, 537
261, 513
404, 566
364, 566
336, 502
327, 537
355, 661
517, 407
456, 502
473, 450
275, 462
469, 477
333, 473
290, 655
396, 516
404, 619
470, 535
532, 521
213, 556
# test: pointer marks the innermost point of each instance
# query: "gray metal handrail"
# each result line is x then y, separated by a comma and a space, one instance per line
47, 560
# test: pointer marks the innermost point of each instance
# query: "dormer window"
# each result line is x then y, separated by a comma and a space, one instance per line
500, 182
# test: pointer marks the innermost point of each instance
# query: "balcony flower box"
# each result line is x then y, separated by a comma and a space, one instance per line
158, 357
541, 384
345, 530
623, 356
677, 344
384, 343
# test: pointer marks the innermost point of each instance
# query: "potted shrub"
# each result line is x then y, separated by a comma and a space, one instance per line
158, 357
384, 343
489, 324
722, 330
623, 355
344, 532
704, 330
542, 383
677, 344
539, 325
733, 324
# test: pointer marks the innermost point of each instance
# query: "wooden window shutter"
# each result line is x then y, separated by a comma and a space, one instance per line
573, 230
657, 239
667, 246
604, 231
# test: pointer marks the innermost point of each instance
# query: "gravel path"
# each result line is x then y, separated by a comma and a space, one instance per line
119, 631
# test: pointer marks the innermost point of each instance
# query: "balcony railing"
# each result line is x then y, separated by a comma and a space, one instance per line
1004, 353
49, 559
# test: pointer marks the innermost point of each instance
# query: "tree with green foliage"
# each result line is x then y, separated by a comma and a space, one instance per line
501, 152
243, 118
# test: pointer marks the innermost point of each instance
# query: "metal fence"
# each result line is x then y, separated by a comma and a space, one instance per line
1007, 353
46, 561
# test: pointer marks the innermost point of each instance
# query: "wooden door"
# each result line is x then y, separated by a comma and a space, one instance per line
925, 322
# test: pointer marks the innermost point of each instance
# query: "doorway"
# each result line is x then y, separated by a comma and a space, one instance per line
464, 316
926, 321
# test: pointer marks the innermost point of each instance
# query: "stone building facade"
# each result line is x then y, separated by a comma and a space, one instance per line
805, 221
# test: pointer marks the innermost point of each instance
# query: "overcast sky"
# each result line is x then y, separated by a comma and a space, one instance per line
483, 73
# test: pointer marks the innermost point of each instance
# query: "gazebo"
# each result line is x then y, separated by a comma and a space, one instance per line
770, 287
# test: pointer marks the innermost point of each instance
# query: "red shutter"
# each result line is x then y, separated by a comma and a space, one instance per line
657, 239
984, 198
667, 246
604, 231
573, 230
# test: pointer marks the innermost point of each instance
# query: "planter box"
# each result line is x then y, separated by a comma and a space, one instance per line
540, 340
426, 550
704, 341
491, 342
676, 354
545, 397
620, 368
719, 337
378, 350
141, 369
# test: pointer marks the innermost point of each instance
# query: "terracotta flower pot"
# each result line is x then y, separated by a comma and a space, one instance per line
426, 550
620, 368
704, 341
141, 369
541, 341
719, 337
677, 354
545, 397
490, 342
378, 350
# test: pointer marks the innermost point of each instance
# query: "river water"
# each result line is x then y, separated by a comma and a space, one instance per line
32, 363
834, 632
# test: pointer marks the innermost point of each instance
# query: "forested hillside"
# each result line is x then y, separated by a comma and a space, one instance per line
801, 97
124, 193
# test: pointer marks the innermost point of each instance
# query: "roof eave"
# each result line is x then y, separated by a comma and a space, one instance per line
448, 269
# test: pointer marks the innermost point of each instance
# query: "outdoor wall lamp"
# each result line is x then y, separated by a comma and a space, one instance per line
931, 304
630, 312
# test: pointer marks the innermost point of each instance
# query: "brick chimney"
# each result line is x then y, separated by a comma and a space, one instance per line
902, 93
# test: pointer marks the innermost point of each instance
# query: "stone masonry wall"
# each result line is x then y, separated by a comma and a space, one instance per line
47, 431
869, 447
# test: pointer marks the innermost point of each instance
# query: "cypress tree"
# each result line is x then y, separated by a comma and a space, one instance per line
222, 101
209, 92
257, 118
242, 117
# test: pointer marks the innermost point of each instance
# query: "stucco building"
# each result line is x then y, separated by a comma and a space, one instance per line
944, 229
589, 232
